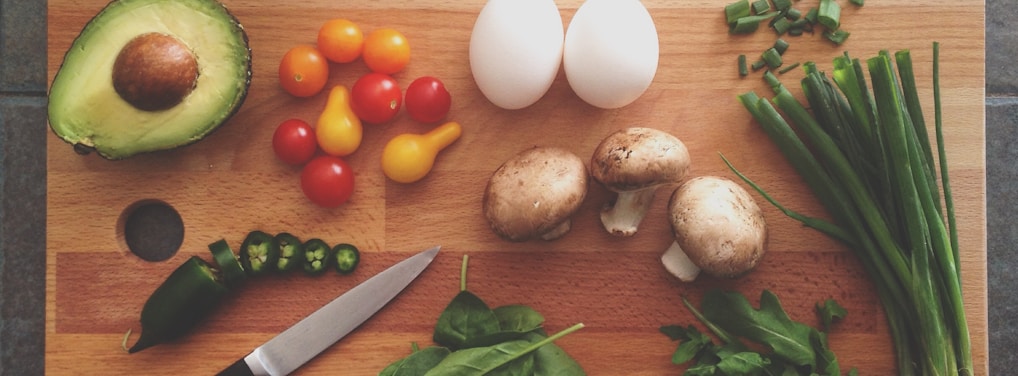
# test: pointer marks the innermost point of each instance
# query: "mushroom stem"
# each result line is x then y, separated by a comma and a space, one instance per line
623, 217
677, 263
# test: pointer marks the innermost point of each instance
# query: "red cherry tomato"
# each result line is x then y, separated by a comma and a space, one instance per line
294, 142
327, 181
376, 98
427, 100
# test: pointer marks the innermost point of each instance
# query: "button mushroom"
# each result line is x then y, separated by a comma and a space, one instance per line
634, 163
718, 228
534, 194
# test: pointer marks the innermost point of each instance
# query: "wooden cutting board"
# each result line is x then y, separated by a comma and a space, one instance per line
230, 183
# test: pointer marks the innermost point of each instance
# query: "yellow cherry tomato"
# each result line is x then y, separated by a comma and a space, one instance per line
338, 131
409, 157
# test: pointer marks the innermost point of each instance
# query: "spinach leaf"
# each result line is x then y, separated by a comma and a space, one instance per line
518, 318
552, 360
514, 322
476, 340
485, 360
506, 358
465, 319
417, 363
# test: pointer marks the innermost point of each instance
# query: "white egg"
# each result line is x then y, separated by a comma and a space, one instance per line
611, 52
516, 50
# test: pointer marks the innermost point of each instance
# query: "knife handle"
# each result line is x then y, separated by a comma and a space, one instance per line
238, 368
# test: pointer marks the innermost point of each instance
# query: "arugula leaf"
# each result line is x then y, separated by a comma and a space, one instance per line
830, 311
793, 348
769, 325
692, 342
744, 363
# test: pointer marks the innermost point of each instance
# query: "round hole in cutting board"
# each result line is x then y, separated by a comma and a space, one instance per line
152, 230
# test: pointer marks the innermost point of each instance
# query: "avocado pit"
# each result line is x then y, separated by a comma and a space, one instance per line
155, 72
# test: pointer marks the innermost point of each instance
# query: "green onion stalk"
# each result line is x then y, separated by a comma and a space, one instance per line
867, 157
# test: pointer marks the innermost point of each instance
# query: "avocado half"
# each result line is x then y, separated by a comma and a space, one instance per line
148, 75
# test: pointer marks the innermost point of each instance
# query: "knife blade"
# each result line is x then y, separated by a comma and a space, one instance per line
296, 345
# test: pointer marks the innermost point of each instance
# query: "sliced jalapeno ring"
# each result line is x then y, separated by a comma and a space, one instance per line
233, 272
290, 250
257, 254
346, 258
317, 256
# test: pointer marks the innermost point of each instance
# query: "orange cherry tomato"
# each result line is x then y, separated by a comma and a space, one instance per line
386, 51
303, 71
340, 40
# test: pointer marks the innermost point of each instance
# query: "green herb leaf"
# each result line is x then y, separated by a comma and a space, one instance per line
518, 318
466, 318
744, 363
417, 363
830, 311
693, 342
552, 360
769, 325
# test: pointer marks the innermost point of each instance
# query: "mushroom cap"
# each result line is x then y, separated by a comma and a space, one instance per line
534, 192
636, 158
718, 225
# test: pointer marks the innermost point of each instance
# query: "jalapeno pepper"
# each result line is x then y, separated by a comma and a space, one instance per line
317, 256
257, 253
229, 266
180, 302
346, 258
290, 250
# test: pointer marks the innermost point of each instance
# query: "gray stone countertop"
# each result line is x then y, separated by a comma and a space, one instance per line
23, 182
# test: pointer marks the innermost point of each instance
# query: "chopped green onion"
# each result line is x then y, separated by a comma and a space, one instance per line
749, 24
858, 2
773, 81
782, 4
761, 6
782, 25
757, 65
788, 68
811, 15
802, 24
771, 57
743, 68
793, 14
781, 46
795, 31
736, 10
829, 14
837, 36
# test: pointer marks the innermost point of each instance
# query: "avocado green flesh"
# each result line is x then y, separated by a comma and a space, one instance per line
85, 110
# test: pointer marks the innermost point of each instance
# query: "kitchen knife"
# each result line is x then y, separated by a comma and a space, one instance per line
290, 349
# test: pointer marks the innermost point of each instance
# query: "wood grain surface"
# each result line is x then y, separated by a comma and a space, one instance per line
230, 183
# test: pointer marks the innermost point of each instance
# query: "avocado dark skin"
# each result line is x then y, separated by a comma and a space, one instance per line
159, 94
